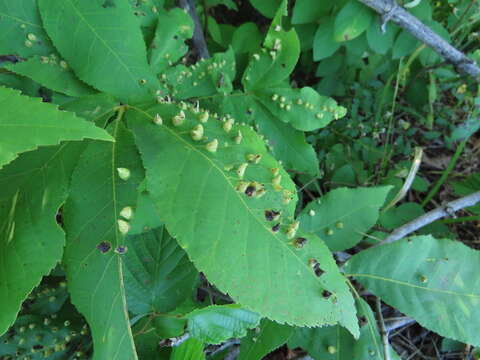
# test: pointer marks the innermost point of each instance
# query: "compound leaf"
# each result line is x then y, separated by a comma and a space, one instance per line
343, 216
31, 241
95, 240
103, 45
431, 280
215, 191
26, 123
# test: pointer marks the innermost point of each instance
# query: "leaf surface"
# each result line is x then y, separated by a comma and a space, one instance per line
21, 31
26, 123
93, 266
217, 323
432, 280
31, 241
351, 21
52, 74
192, 349
222, 225
343, 216
158, 274
264, 339
113, 54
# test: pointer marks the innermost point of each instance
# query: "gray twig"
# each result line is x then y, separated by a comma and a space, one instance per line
175, 341
390, 10
448, 209
383, 331
198, 36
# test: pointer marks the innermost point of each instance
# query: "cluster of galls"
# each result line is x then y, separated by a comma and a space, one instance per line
53, 60
31, 338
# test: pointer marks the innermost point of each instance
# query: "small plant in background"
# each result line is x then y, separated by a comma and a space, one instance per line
238, 180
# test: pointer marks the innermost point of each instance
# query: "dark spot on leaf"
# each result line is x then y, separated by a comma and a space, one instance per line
362, 320
250, 190
300, 242
121, 250
270, 215
276, 227
37, 347
283, 66
104, 247
326, 294
175, 37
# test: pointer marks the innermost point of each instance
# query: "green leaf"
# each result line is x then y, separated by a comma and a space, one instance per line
335, 343
343, 216
217, 323
158, 274
263, 340
206, 78
404, 45
219, 219
351, 21
378, 41
468, 186
276, 60
21, 31
192, 349
307, 11
304, 109
94, 268
324, 44
246, 38
267, 8
97, 108
26, 123
52, 74
146, 216
34, 187
87, 36
432, 280
168, 45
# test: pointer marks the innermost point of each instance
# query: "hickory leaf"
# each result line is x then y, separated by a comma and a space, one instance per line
343, 216
213, 192
192, 349
26, 123
31, 242
95, 240
158, 274
87, 35
431, 280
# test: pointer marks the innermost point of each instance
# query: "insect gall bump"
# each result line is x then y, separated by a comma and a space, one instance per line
300, 242
241, 170
250, 190
339, 225
123, 173
158, 119
212, 146
123, 226
311, 212
197, 132
121, 250
127, 212
276, 227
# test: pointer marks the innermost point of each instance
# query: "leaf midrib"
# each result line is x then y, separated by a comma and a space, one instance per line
180, 139
404, 283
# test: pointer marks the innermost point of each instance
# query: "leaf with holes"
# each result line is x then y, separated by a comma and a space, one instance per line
158, 274
431, 280
31, 242
26, 123
104, 184
230, 206
113, 54
343, 216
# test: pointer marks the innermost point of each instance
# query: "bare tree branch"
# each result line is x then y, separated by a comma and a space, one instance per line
447, 210
390, 10
198, 36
